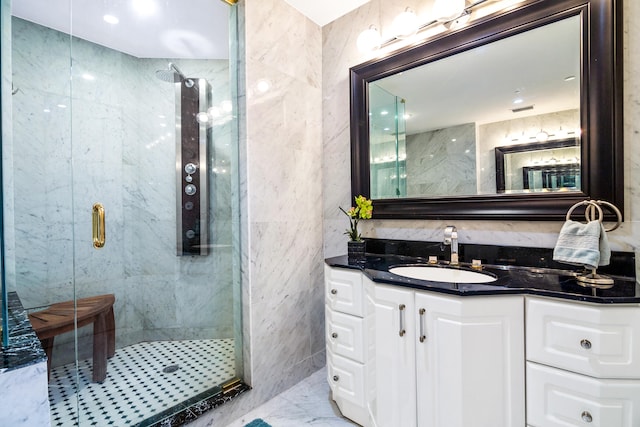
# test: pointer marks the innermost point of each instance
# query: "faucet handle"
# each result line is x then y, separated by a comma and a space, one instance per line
450, 232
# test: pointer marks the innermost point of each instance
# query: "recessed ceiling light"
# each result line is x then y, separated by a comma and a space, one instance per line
144, 7
88, 76
263, 85
517, 101
384, 112
110, 19
569, 78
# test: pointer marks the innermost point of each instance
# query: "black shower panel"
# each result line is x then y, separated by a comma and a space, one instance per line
193, 96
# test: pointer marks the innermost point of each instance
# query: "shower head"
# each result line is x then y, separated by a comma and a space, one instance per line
173, 75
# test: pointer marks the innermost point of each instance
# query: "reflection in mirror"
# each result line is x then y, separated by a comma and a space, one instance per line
433, 129
388, 144
541, 167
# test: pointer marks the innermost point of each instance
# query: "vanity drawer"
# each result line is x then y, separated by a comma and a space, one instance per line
559, 398
343, 290
345, 335
346, 379
597, 340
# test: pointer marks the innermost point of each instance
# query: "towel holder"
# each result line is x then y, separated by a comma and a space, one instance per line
593, 206
594, 280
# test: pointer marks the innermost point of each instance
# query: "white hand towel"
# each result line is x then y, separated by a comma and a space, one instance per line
579, 244
605, 250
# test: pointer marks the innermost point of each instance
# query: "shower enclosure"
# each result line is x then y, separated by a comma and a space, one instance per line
387, 130
130, 105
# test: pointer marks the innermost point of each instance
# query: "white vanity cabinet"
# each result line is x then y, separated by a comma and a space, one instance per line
583, 364
346, 339
448, 361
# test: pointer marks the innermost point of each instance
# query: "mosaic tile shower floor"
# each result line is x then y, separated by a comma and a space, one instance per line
141, 382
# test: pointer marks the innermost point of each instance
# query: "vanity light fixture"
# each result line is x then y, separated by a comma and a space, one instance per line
460, 21
369, 40
452, 13
406, 24
447, 10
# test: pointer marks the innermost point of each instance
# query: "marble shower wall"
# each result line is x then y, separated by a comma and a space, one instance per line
340, 53
282, 260
432, 155
115, 142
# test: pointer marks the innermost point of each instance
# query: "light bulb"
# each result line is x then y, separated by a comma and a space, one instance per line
542, 136
405, 25
369, 40
202, 117
447, 10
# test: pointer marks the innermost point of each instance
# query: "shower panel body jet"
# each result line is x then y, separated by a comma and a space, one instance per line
192, 190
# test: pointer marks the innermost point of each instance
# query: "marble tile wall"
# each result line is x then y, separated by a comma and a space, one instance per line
340, 52
121, 152
432, 155
281, 199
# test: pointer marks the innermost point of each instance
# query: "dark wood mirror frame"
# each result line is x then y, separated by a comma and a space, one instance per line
602, 168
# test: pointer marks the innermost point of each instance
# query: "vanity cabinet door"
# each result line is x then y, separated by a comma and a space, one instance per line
469, 361
343, 290
558, 398
395, 379
598, 340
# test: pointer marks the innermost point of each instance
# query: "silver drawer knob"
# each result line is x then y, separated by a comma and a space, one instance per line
336, 378
586, 417
586, 344
334, 291
334, 335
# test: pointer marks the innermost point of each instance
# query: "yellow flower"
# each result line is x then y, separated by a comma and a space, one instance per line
362, 210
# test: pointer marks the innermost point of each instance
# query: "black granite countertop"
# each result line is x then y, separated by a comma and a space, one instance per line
518, 271
24, 346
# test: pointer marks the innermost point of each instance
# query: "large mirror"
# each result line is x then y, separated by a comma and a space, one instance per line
428, 123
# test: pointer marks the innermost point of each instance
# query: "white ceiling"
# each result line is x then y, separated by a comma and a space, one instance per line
324, 11
195, 29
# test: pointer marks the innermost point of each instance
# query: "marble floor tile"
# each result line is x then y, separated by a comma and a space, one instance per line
308, 403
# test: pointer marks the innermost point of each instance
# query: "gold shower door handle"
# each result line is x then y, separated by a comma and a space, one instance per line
98, 226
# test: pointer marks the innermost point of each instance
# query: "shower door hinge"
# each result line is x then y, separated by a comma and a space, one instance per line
231, 385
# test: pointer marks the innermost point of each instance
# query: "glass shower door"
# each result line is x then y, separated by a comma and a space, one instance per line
128, 106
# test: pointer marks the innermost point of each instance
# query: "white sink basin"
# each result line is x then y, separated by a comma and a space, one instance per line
442, 274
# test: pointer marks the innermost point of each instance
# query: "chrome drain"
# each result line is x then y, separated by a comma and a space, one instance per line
171, 368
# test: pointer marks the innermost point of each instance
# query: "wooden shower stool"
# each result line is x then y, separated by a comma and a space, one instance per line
58, 318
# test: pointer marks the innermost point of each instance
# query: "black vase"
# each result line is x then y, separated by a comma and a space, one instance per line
356, 252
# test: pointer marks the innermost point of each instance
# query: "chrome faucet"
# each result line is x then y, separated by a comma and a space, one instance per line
451, 239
